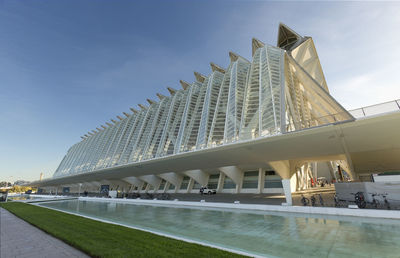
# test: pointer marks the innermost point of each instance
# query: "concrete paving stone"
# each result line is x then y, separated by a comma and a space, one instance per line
20, 239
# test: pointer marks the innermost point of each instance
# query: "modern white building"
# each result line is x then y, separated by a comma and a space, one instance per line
265, 125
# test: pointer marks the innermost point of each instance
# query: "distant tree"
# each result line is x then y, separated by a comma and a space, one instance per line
4, 184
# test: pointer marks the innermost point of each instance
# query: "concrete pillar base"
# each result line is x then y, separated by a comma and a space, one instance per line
287, 191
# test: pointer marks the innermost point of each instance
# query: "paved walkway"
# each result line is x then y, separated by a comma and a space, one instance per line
20, 239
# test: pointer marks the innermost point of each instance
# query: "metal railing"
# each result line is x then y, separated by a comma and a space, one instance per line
376, 109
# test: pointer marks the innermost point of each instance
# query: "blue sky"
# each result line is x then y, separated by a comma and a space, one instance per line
68, 66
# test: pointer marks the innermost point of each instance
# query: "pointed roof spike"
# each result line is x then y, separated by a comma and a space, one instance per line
199, 77
134, 110
142, 106
83, 138
171, 90
112, 120
160, 96
256, 44
91, 134
218, 68
184, 84
233, 56
151, 101
94, 131
86, 135
120, 118
287, 37
98, 129
104, 127
126, 114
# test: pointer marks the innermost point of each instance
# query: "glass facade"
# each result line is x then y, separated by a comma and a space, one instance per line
213, 181
250, 179
228, 183
185, 183
281, 89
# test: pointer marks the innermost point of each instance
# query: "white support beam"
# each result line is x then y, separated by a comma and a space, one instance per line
235, 174
261, 179
172, 178
190, 185
221, 180
153, 180
116, 184
285, 169
198, 175
133, 181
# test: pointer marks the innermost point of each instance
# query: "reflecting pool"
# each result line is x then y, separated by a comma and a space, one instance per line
269, 234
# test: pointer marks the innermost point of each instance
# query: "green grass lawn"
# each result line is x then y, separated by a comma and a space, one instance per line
100, 239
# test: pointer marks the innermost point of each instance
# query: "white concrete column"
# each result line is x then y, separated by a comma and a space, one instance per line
190, 185
261, 179
287, 190
167, 184
116, 184
147, 188
285, 169
152, 180
172, 178
198, 175
133, 181
235, 174
221, 180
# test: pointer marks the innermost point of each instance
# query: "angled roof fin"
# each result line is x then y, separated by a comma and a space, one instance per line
171, 90
151, 101
120, 118
134, 110
160, 96
199, 77
233, 56
215, 67
287, 37
142, 106
256, 44
126, 114
184, 84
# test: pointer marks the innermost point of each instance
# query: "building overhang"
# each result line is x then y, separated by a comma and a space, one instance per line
368, 142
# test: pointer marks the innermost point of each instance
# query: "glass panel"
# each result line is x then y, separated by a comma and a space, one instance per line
228, 183
250, 179
273, 182
185, 183
162, 185
213, 181
196, 185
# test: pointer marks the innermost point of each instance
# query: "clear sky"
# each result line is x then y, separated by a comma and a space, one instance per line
68, 66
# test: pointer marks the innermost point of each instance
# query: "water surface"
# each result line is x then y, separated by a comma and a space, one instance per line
260, 233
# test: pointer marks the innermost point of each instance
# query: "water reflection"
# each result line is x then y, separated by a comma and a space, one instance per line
262, 233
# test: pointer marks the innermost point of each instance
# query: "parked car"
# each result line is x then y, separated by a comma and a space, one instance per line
205, 190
